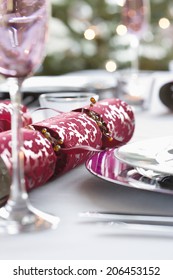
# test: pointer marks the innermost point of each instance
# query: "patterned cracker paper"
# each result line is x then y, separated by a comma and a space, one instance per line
119, 119
6, 111
75, 130
40, 158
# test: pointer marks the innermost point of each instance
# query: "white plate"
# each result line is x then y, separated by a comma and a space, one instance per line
154, 154
88, 79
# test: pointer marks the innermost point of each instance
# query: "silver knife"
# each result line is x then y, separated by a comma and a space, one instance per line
126, 218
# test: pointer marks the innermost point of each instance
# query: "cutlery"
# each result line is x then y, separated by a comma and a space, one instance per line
130, 219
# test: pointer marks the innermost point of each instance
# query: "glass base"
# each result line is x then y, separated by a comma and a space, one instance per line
15, 220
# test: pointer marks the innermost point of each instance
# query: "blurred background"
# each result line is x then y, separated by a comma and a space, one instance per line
87, 34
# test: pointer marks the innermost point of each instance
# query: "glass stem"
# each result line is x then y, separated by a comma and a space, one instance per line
135, 44
18, 195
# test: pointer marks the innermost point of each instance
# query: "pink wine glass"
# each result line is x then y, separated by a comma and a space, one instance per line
23, 31
135, 16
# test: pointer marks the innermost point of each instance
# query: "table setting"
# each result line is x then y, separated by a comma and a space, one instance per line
107, 181
92, 181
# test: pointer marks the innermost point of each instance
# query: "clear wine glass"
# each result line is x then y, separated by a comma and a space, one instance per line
135, 16
23, 30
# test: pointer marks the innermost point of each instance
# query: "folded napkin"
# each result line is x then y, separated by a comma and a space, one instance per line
6, 111
58, 144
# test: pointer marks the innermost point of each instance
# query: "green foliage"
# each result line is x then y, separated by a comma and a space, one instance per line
71, 51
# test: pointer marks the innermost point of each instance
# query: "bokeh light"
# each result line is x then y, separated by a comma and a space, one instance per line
121, 30
111, 66
164, 23
89, 33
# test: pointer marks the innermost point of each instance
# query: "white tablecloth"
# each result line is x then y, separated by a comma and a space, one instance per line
78, 190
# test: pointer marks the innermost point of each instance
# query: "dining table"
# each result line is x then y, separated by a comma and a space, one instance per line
79, 191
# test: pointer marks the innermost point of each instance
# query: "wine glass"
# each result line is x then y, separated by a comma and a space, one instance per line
23, 30
135, 16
